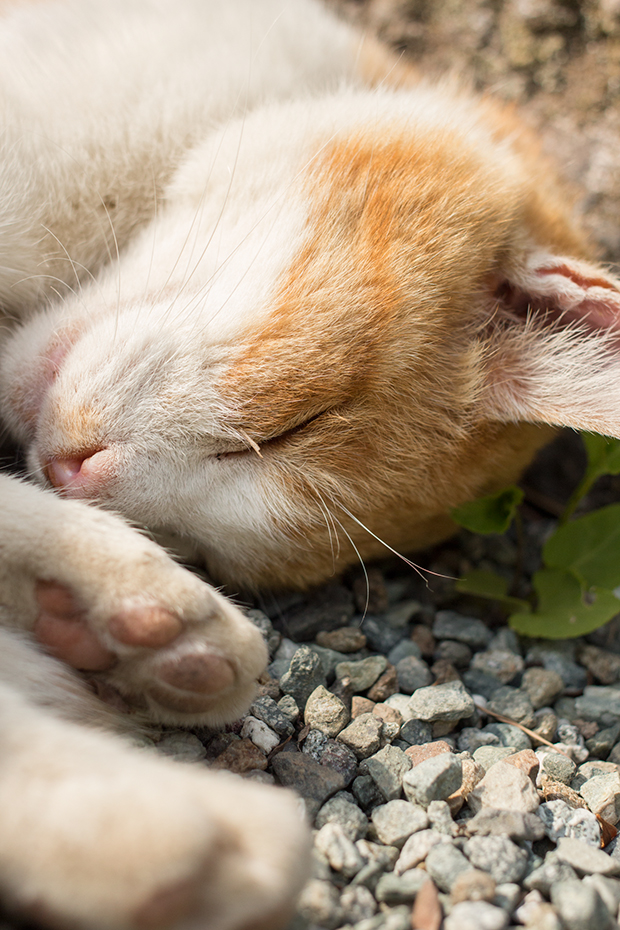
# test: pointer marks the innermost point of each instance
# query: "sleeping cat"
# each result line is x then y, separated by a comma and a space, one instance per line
284, 317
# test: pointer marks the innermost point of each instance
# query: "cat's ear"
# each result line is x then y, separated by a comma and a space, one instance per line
553, 349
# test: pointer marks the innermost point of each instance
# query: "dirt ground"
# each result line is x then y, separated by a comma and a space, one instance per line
559, 60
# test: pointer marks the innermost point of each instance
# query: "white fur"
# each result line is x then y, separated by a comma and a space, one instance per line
160, 171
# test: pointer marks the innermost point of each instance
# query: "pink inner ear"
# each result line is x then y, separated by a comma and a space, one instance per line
553, 345
564, 293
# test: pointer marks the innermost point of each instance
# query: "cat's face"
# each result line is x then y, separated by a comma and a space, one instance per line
322, 339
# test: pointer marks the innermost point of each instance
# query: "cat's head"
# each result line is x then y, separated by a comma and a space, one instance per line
351, 315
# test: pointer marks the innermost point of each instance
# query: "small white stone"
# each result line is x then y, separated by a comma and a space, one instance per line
182, 746
340, 852
260, 734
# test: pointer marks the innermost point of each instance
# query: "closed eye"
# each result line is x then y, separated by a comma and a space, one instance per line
257, 448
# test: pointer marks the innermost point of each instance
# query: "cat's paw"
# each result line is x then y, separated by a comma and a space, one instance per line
127, 840
105, 599
153, 637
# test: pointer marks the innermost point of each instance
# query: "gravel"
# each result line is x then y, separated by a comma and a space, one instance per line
426, 806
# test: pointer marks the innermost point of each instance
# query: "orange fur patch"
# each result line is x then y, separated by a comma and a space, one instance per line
374, 342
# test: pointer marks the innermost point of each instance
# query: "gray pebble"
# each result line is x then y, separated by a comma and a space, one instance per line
444, 864
416, 732
387, 768
330, 658
326, 608
413, 673
440, 817
282, 658
305, 673
362, 673
543, 685
507, 896
479, 682
575, 677
505, 638
400, 889
447, 703
406, 647
316, 783
357, 903
551, 873
434, 779
366, 792
500, 663
514, 824
397, 820
608, 888
598, 702
586, 858
561, 820
580, 906
513, 703
476, 915
602, 743
314, 744
497, 855
417, 848
319, 904
341, 853
402, 613
288, 706
266, 709
602, 795
337, 756
486, 756
471, 738
363, 735
381, 636
571, 741
457, 654
509, 735
468, 630
343, 810
558, 767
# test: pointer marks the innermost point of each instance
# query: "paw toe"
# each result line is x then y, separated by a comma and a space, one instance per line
200, 673
62, 631
145, 626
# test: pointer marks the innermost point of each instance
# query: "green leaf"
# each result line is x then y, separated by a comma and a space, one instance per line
603, 454
488, 584
492, 514
589, 547
565, 609
603, 459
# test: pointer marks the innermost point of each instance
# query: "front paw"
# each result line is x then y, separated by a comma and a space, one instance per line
157, 640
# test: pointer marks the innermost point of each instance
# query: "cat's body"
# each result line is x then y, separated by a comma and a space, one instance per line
336, 313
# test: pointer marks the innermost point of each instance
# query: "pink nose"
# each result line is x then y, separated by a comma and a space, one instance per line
80, 475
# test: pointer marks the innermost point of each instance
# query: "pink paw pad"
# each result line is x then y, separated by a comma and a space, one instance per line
61, 629
200, 673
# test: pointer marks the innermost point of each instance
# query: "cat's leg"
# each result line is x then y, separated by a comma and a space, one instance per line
99, 834
100, 596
